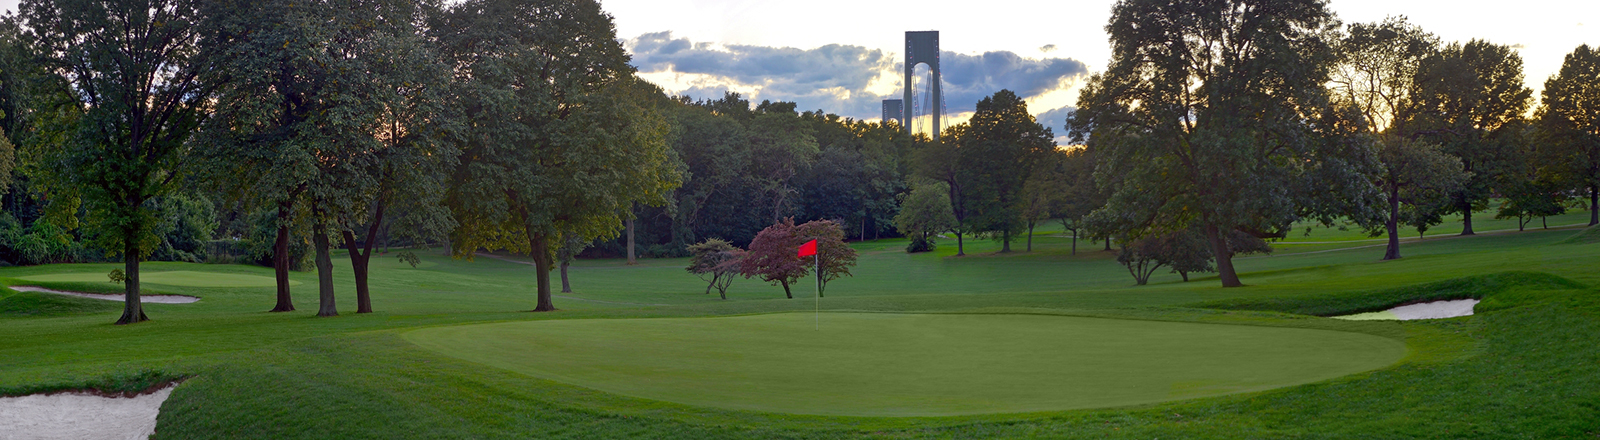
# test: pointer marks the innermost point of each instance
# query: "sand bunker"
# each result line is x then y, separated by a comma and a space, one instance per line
80, 416
156, 299
1428, 310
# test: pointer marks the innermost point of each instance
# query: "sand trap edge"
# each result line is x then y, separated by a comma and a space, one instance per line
154, 299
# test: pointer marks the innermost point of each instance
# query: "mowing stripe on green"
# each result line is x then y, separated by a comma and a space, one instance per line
876, 364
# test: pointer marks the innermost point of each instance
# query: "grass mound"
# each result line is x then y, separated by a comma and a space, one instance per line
1589, 235
18, 304
1346, 303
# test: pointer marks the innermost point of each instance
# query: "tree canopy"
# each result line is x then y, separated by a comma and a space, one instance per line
1209, 113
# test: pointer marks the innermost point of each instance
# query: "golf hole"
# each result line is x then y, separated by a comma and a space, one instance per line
882, 364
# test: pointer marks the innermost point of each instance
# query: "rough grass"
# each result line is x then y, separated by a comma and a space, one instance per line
1525, 366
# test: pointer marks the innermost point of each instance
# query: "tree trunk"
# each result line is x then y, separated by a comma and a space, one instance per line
1074, 242
1005, 241
1545, 222
1108, 243
319, 231
631, 257
1030, 236
566, 287
1466, 218
1184, 274
960, 251
539, 248
132, 309
786, 292
360, 261
1224, 256
1594, 205
280, 259
1393, 225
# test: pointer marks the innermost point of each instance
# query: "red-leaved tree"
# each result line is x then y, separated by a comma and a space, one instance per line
773, 256
833, 255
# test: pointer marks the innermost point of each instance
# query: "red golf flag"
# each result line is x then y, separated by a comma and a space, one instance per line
808, 249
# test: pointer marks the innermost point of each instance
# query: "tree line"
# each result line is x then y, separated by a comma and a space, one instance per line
142, 129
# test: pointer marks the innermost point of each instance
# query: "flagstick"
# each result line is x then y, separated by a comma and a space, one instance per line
816, 312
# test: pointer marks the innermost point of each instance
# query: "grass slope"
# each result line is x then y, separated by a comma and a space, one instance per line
1524, 367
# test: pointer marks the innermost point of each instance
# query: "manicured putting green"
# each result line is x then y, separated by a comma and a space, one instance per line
171, 278
872, 364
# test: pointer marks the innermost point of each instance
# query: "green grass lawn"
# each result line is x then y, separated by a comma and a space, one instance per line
893, 364
1525, 367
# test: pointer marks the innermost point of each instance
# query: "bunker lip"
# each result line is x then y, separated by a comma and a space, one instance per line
1418, 310
154, 299
73, 414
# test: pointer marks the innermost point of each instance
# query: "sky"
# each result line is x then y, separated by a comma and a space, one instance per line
844, 56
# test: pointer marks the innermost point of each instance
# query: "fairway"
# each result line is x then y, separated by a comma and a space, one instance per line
886, 364
172, 278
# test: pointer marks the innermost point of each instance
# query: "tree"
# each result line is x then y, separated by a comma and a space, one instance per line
134, 73
834, 257
1186, 251
1215, 113
1464, 98
940, 160
558, 135
717, 259
773, 256
1418, 175
1569, 120
571, 246
1378, 63
997, 153
926, 211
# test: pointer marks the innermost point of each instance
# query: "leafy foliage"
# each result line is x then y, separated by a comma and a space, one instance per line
563, 139
926, 211
834, 257
773, 256
1216, 114
1569, 120
1470, 99
716, 261
997, 152
136, 76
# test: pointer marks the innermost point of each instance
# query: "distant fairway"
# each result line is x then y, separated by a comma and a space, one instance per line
872, 364
172, 278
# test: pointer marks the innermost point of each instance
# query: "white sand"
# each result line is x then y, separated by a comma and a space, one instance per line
158, 299
80, 416
1429, 310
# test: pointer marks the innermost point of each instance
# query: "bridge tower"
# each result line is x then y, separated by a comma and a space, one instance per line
922, 47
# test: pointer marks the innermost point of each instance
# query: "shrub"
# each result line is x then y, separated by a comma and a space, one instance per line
920, 244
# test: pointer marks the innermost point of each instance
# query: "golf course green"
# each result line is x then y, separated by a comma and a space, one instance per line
890, 364
187, 278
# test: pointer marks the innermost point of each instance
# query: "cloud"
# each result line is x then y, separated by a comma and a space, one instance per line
1055, 119
843, 79
1047, 48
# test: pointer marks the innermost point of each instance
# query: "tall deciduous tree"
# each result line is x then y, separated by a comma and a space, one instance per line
558, 135
1215, 113
134, 69
1569, 120
997, 153
1464, 98
1418, 175
1378, 63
